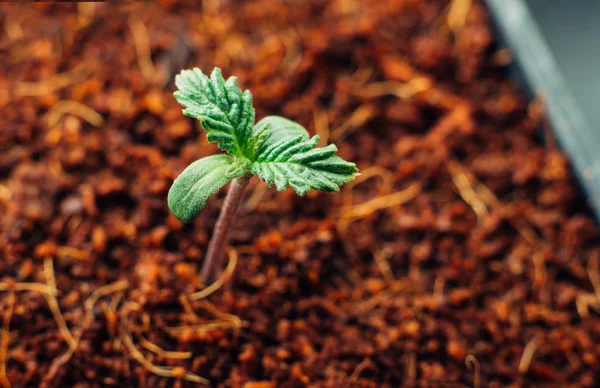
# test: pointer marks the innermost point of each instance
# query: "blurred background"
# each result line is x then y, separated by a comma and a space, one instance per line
570, 30
464, 255
551, 46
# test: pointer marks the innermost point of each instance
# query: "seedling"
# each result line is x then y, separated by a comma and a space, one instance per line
277, 150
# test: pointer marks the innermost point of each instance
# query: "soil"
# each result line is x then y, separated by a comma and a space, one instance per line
463, 256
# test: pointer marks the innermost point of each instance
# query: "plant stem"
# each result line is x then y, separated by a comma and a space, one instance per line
220, 237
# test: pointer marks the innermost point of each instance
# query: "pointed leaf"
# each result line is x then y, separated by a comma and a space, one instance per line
201, 179
224, 111
294, 161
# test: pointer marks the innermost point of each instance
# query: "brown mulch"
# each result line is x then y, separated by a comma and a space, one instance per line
463, 256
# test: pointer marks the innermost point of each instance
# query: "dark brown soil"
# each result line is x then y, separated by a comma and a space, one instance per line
463, 256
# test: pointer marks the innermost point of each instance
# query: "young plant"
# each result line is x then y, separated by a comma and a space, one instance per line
277, 150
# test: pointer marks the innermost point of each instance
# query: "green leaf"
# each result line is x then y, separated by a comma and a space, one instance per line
272, 129
238, 168
201, 179
280, 128
294, 161
224, 111
276, 149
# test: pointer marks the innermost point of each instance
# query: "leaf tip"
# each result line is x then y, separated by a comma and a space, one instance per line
176, 209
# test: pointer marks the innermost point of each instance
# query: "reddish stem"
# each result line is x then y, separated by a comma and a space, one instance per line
220, 236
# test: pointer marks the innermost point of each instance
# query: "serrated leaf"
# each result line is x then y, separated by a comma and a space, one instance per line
280, 128
294, 161
201, 179
224, 111
272, 129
